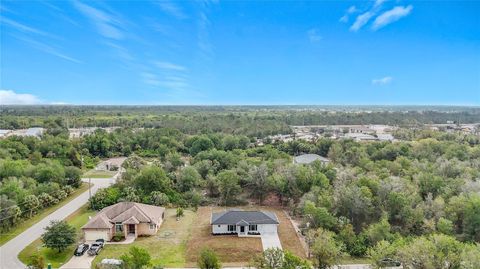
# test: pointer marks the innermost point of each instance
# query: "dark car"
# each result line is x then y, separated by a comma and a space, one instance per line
387, 262
100, 241
81, 249
95, 249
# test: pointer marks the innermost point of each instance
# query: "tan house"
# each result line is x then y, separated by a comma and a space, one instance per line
129, 218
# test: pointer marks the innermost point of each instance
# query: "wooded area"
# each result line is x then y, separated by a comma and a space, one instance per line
411, 200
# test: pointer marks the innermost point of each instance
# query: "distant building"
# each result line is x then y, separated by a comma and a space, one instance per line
4, 133
385, 137
360, 137
309, 158
35, 132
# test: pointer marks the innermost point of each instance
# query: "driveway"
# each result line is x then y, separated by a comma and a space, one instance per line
10, 250
270, 240
79, 262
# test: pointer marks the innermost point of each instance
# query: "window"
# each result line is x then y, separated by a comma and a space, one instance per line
118, 227
152, 226
232, 228
252, 227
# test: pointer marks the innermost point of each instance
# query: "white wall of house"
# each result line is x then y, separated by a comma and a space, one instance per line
267, 228
219, 229
261, 228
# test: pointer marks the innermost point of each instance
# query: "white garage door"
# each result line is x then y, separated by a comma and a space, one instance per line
94, 235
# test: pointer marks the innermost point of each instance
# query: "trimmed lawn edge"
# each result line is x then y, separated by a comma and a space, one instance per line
41, 215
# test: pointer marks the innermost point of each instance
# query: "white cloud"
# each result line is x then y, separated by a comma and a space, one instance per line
48, 49
378, 3
22, 27
344, 19
391, 15
313, 35
382, 81
352, 9
9, 97
171, 8
169, 66
361, 20
106, 24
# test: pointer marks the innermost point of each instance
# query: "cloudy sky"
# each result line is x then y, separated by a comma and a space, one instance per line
240, 52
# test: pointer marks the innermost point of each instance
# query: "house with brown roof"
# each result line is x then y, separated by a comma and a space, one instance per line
129, 218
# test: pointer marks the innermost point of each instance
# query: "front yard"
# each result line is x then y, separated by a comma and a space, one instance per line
167, 247
232, 250
77, 220
235, 251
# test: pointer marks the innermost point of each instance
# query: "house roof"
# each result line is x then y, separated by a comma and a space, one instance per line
125, 213
309, 158
238, 217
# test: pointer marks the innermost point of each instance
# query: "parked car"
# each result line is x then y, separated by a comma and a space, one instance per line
81, 249
100, 241
388, 262
95, 249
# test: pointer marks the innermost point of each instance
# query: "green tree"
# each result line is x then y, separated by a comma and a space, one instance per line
471, 223
201, 143
325, 250
137, 258
275, 258
188, 179
73, 176
152, 178
59, 235
31, 204
208, 260
159, 198
259, 183
228, 186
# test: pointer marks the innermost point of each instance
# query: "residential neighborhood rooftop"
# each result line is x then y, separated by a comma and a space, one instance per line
247, 217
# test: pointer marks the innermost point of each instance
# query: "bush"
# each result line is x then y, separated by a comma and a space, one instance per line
179, 212
208, 260
118, 237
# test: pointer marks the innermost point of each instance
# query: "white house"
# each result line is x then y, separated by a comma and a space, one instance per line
244, 223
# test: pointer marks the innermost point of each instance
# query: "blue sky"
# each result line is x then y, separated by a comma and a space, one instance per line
240, 52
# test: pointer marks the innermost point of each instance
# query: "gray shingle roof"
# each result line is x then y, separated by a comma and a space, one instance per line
233, 217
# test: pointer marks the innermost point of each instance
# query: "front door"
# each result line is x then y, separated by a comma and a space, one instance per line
131, 228
242, 229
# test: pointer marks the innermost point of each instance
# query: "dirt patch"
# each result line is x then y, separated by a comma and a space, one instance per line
272, 200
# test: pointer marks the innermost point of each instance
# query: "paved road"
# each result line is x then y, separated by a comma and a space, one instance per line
10, 250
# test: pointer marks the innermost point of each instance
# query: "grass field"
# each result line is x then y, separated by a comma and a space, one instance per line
166, 248
42, 214
98, 174
76, 219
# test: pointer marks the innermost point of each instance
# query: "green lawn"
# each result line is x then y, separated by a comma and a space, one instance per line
354, 260
42, 214
76, 219
98, 174
166, 248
